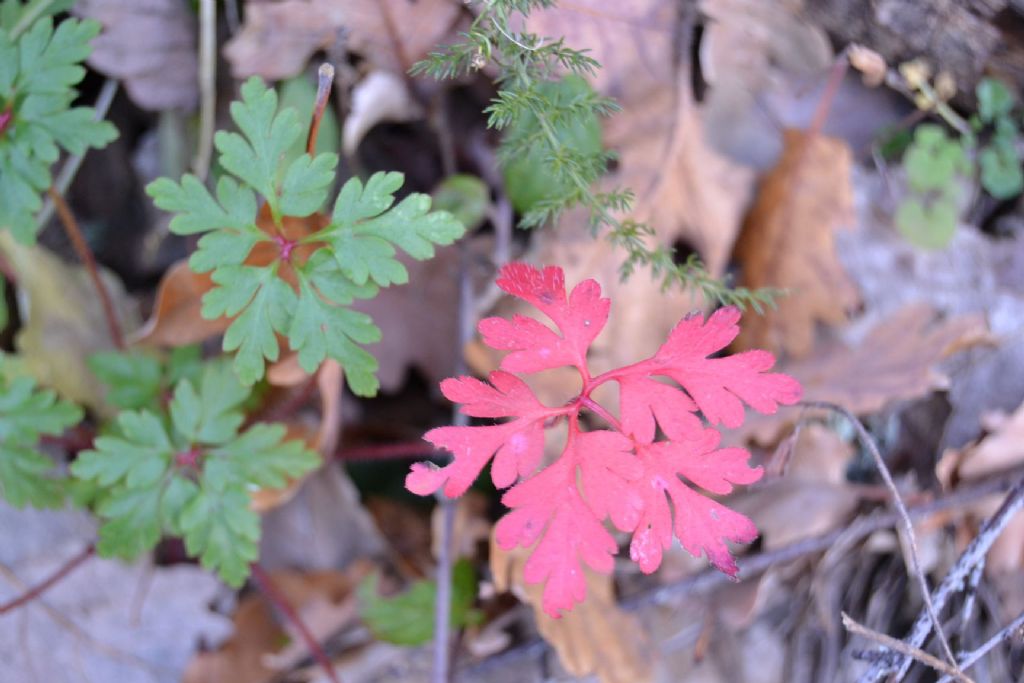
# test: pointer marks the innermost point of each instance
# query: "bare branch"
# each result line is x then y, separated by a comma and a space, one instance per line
909, 538
899, 646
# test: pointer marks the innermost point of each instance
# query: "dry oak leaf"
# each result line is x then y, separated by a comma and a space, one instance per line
595, 638
897, 361
788, 242
278, 38
150, 46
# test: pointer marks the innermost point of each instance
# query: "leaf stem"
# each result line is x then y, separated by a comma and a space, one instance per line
600, 410
325, 79
74, 233
47, 583
270, 589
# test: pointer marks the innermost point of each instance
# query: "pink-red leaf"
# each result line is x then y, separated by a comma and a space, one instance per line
701, 524
548, 507
719, 386
643, 399
580, 318
607, 465
517, 446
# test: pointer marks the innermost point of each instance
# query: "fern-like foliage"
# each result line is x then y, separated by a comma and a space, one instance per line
187, 470
317, 265
40, 65
540, 123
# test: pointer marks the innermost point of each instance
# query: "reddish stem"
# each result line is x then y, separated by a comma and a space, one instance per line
6, 117
85, 255
598, 409
40, 588
391, 451
325, 79
275, 596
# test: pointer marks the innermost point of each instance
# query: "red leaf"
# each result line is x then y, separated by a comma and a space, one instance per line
623, 473
719, 386
535, 347
643, 399
701, 524
549, 507
517, 446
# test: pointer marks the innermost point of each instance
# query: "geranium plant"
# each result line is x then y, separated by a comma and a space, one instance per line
630, 469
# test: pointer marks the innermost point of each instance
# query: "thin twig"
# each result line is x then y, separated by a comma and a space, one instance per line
47, 583
70, 168
971, 658
442, 606
954, 580
910, 539
207, 86
899, 646
74, 233
267, 586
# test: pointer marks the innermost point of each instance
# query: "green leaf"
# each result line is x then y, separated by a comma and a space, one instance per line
212, 415
464, 196
364, 233
263, 303
260, 457
132, 523
186, 362
323, 326
934, 160
40, 64
255, 155
197, 211
306, 182
407, 618
133, 379
1000, 162
994, 99
221, 529
27, 477
139, 456
927, 225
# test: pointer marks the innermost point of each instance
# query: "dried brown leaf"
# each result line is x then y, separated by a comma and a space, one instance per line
176, 320
897, 361
150, 46
278, 38
788, 242
595, 638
